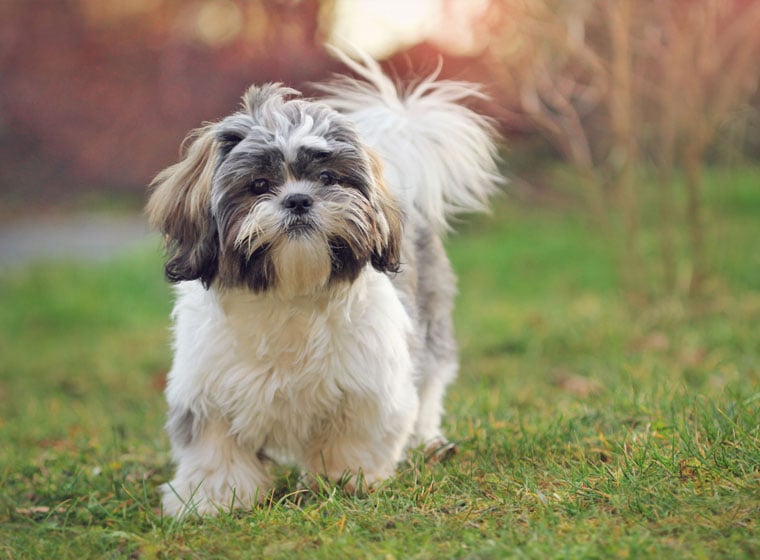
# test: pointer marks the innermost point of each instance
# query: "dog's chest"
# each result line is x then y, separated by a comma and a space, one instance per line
295, 370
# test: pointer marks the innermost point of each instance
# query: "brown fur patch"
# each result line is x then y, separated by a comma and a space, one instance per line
387, 254
179, 207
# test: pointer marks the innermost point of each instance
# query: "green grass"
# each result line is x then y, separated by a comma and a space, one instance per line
587, 429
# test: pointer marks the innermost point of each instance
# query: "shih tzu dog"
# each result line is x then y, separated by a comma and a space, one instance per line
313, 298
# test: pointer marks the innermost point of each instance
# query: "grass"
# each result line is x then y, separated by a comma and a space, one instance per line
587, 429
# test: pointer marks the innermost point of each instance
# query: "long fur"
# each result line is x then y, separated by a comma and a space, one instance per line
313, 315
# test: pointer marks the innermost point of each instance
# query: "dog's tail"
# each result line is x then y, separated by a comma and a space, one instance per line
439, 155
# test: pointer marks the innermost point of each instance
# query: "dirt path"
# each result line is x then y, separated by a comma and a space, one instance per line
75, 237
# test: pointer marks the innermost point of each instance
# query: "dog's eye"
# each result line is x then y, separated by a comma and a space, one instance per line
327, 178
259, 186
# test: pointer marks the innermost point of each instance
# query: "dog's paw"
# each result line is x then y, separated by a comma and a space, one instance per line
200, 501
440, 450
349, 483
180, 504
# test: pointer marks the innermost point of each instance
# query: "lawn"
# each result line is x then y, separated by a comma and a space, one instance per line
588, 427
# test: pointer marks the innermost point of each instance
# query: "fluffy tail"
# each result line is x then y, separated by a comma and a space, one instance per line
439, 155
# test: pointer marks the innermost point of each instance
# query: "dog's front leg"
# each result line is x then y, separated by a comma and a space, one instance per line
215, 471
365, 448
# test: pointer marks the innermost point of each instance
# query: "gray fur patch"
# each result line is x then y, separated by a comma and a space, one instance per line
183, 426
427, 286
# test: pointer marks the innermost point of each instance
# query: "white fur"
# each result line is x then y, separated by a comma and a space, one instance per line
338, 364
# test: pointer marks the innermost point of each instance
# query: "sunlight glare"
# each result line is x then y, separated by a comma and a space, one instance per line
380, 27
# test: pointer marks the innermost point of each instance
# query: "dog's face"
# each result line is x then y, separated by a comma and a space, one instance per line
281, 196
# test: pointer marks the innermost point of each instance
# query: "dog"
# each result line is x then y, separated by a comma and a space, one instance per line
312, 322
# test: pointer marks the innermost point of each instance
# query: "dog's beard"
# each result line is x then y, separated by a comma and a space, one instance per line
294, 255
303, 265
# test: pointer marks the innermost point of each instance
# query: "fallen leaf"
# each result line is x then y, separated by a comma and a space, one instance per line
39, 509
575, 384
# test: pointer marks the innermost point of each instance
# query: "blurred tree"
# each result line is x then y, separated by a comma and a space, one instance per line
565, 62
610, 80
709, 65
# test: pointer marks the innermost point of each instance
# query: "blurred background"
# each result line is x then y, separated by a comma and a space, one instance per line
608, 309
629, 100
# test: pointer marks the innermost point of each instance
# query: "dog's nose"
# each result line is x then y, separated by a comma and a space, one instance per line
298, 203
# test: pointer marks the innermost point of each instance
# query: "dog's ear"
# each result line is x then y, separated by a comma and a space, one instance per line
386, 254
180, 208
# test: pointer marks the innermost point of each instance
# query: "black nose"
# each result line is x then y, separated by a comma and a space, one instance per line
298, 203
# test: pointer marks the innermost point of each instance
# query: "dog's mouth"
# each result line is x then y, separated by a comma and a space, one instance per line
299, 226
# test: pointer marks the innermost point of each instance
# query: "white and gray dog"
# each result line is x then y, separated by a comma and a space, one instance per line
313, 312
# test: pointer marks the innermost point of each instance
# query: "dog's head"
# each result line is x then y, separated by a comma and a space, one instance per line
279, 196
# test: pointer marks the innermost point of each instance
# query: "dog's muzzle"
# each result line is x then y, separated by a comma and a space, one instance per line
299, 207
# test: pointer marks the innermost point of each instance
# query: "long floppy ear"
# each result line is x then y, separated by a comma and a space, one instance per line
180, 208
386, 254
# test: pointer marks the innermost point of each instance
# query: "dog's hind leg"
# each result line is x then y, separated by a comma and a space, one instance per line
427, 431
436, 352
